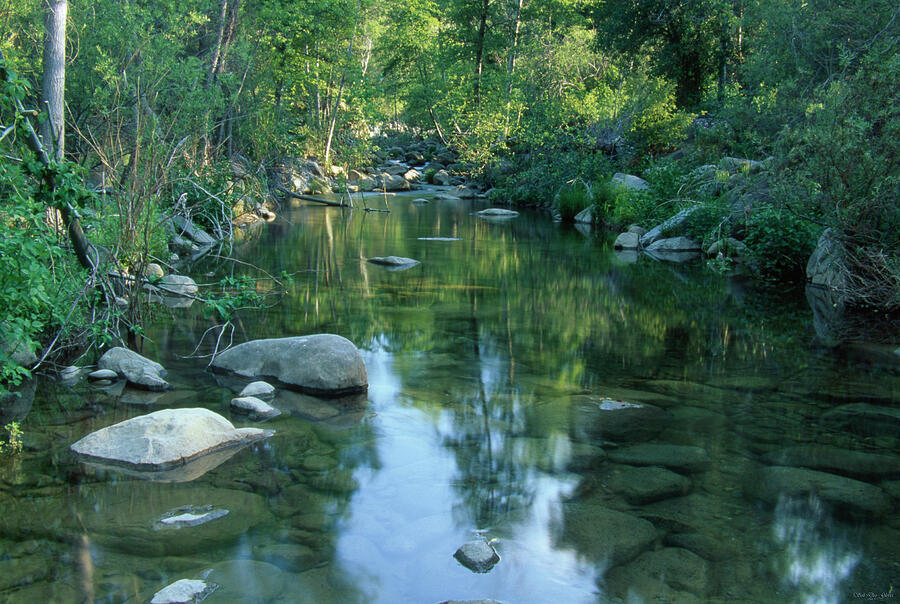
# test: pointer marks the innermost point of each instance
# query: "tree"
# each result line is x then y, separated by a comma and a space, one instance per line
54, 77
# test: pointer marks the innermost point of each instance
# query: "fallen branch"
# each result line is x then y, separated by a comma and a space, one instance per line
327, 202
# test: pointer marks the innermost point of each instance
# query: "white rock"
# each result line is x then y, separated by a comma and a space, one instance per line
259, 389
183, 591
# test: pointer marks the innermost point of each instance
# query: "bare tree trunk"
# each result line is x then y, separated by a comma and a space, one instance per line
479, 50
337, 102
511, 61
54, 78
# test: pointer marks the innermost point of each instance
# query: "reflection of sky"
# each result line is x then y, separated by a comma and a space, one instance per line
398, 538
816, 558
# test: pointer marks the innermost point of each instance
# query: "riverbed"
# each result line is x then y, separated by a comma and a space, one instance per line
496, 367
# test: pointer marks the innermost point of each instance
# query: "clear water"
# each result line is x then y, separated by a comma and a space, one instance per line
488, 365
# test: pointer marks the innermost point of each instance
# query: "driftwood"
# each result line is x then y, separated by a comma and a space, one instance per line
327, 202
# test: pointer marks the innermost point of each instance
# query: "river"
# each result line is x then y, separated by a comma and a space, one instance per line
498, 370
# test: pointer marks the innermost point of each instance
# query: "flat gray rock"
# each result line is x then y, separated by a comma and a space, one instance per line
253, 407
497, 213
477, 555
321, 364
393, 261
103, 374
183, 591
165, 439
138, 370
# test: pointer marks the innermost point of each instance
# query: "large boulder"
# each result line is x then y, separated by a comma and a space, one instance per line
669, 225
674, 249
586, 216
627, 241
164, 439
827, 266
630, 182
322, 364
138, 370
393, 182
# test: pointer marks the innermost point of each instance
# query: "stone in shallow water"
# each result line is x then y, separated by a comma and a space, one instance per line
669, 574
864, 419
165, 439
857, 464
846, 495
190, 516
675, 457
397, 261
643, 485
497, 213
602, 418
477, 555
103, 374
138, 370
259, 389
324, 364
184, 591
253, 407
606, 535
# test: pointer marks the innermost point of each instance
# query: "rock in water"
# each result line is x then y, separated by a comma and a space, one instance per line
183, 591
138, 370
321, 364
258, 389
165, 439
253, 407
477, 555
393, 261
497, 213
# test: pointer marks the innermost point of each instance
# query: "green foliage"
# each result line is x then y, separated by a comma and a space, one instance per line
781, 243
37, 287
573, 197
13, 444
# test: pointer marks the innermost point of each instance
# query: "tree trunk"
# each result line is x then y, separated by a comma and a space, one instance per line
511, 61
479, 50
53, 130
337, 102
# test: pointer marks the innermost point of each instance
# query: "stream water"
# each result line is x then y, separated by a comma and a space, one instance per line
765, 471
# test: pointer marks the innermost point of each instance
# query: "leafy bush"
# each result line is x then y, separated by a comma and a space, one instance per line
781, 243
572, 198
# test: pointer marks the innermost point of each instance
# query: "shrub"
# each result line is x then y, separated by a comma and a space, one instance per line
781, 243
572, 198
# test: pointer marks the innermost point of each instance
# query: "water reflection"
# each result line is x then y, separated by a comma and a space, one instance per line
816, 557
486, 365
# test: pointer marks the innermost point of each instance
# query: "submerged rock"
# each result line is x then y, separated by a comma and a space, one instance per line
846, 495
138, 370
840, 461
644, 485
670, 574
864, 419
606, 535
165, 439
477, 555
323, 364
600, 418
675, 457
